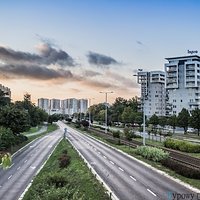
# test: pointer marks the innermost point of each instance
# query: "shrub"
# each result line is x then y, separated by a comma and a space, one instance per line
181, 168
128, 134
152, 153
64, 160
182, 145
116, 134
56, 179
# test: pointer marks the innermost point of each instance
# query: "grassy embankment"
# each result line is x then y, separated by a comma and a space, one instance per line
50, 128
77, 180
131, 151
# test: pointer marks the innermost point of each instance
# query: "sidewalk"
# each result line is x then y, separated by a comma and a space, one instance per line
42, 130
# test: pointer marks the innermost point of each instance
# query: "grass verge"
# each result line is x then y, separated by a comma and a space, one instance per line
77, 180
157, 165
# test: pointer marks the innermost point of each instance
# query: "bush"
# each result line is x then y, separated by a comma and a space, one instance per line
56, 179
116, 134
64, 160
182, 145
128, 134
152, 153
181, 168
113, 141
136, 136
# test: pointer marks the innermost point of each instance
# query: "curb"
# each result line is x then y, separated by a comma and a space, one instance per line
109, 191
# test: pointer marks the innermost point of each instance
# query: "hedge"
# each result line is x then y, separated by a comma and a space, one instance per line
181, 168
182, 145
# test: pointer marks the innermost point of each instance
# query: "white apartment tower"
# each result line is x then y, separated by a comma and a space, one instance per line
83, 105
6, 90
153, 94
44, 104
182, 83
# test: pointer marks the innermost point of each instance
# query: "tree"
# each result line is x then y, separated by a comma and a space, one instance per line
194, 120
154, 121
183, 119
172, 121
128, 115
15, 119
7, 138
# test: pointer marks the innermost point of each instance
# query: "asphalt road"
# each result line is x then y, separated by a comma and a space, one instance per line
127, 178
25, 165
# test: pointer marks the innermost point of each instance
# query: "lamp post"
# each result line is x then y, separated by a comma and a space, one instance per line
140, 80
90, 111
106, 109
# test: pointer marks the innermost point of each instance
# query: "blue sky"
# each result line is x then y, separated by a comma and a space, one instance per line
135, 33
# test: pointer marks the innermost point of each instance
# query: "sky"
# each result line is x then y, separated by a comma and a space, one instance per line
79, 48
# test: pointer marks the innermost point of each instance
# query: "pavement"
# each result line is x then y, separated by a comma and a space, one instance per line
25, 165
126, 177
42, 130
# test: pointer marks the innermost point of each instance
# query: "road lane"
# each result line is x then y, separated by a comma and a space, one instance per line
128, 178
25, 166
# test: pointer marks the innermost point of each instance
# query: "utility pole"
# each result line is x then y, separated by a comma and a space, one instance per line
106, 110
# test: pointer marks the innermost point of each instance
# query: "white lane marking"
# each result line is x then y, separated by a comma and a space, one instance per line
120, 169
18, 168
95, 149
111, 162
0, 186
99, 152
133, 178
105, 157
25, 161
49, 146
151, 192
11, 165
32, 167
9, 177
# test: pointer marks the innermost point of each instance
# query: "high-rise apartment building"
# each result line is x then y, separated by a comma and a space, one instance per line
83, 105
44, 104
6, 90
153, 94
182, 83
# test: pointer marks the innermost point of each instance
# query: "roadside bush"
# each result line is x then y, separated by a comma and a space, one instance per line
64, 161
116, 134
182, 145
128, 134
181, 168
77, 124
136, 136
152, 153
113, 141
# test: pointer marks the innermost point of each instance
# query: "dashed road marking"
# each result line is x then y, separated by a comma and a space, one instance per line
18, 168
11, 165
151, 192
120, 169
25, 161
10, 177
105, 157
111, 162
133, 178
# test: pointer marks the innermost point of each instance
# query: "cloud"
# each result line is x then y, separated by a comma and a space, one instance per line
139, 42
90, 73
48, 55
124, 82
34, 72
100, 60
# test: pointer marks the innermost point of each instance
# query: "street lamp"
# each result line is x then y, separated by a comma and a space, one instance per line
144, 97
106, 109
90, 111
